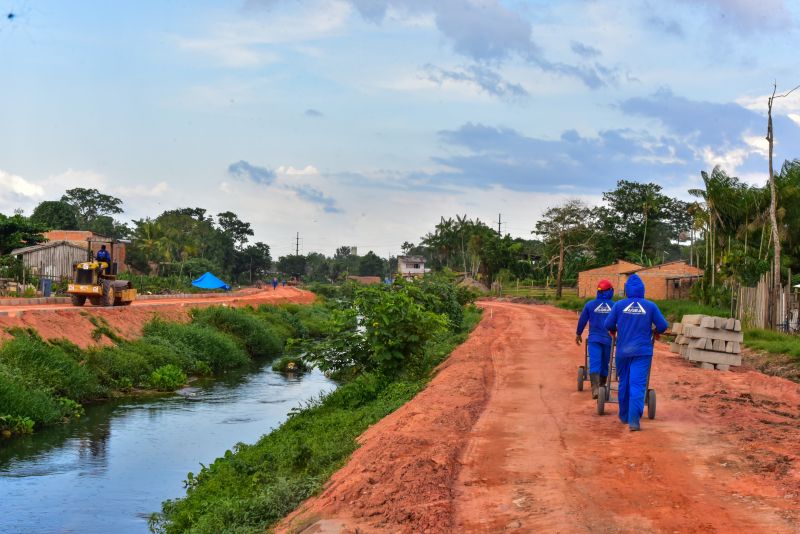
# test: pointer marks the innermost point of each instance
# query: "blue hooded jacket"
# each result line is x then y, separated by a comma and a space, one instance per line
595, 313
633, 318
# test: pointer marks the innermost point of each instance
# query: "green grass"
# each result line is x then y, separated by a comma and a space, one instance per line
254, 486
773, 342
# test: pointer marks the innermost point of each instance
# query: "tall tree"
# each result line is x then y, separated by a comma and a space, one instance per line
567, 227
90, 204
234, 227
18, 231
55, 215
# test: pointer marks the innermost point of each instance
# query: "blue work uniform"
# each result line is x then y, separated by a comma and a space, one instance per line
598, 344
633, 319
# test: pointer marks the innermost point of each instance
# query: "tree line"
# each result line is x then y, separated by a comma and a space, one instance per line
724, 227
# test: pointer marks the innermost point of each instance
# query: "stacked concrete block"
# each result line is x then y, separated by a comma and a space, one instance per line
711, 342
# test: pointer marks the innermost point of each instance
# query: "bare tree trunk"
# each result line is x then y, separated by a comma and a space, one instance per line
644, 238
773, 218
560, 265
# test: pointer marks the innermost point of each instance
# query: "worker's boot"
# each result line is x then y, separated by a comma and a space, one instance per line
594, 378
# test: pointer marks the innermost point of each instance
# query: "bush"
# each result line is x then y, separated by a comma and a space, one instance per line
396, 328
19, 400
167, 378
132, 363
48, 367
257, 337
218, 350
438, 295
12, 424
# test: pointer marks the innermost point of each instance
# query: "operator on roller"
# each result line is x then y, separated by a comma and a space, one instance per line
633, 320
598, 344
103, 256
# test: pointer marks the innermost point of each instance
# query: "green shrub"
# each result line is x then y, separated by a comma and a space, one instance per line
167, 378
20, 400
206, 344
133, 362
12, 424
48, 367
438, 295
257, 337
396, 328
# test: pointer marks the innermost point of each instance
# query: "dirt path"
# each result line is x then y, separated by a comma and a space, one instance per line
501, 441
73, 323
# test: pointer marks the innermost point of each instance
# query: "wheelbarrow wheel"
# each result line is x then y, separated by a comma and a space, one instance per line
581, 378
651, 404
601, 400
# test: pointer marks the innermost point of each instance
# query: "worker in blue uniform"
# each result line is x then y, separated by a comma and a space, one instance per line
633, 319
598, 344
103, 256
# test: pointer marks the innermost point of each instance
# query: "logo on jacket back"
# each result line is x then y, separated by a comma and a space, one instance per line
603, 308
635, 308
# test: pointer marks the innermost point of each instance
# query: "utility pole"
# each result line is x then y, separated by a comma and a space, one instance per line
297, 245
499, 225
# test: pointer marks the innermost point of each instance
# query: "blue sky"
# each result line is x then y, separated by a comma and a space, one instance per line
362, 121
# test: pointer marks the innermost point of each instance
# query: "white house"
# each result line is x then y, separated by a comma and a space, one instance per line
411, 266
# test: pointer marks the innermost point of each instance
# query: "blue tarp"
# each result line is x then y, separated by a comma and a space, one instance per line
209, 281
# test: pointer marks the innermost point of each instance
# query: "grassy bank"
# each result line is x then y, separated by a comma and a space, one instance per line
45, 382
253, 486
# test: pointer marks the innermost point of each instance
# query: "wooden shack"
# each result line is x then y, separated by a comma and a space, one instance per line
53, 259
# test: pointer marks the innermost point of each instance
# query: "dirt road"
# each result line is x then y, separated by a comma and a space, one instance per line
501, 441
75, 324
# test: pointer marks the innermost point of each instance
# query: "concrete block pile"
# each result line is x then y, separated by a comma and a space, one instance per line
711, 342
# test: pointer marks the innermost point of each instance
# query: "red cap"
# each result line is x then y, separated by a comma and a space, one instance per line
604, 285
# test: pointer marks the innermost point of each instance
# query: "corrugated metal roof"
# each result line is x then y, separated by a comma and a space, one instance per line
42, 246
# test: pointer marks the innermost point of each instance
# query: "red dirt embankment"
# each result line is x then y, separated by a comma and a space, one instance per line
501, 441
72, 323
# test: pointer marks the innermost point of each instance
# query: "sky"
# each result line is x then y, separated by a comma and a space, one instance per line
362, 122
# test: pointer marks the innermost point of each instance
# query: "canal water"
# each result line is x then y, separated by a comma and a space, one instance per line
108, 471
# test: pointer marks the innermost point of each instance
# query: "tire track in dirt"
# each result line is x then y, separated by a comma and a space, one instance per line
530, 454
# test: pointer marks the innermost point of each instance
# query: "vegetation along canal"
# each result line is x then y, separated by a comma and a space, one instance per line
109, 470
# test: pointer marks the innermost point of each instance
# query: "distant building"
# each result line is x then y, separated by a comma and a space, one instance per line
671, 280
53, 259
411, 266
81, 238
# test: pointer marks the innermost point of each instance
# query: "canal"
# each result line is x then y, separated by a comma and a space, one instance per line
108, 471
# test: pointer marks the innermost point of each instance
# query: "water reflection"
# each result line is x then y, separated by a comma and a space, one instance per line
112, 468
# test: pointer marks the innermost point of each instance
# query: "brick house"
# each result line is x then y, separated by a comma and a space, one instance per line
80, 238
671, 280
616, 273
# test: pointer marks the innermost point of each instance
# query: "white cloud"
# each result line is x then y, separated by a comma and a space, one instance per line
308, 170
19, 186
243, 42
